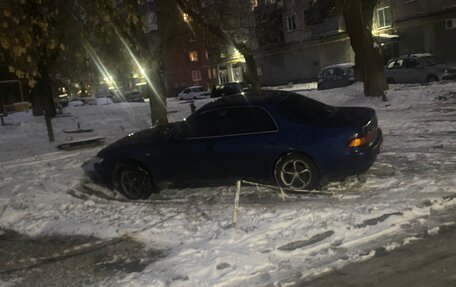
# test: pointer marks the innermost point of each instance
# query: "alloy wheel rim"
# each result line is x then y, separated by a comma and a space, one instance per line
131, 183
295, 174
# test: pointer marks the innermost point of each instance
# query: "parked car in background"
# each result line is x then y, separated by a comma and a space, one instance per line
335, 76
134, 96
191, 93
275, 137
418, 68
231, 89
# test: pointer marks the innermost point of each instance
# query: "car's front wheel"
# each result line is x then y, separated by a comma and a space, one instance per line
296, 172
133, 181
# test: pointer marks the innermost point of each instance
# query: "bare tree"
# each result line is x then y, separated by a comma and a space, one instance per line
46, 42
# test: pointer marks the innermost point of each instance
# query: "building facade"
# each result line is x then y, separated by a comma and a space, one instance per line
185, 56
417, 26
302, 38
194, 56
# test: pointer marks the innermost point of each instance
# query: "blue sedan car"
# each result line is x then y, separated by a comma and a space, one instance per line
277, 137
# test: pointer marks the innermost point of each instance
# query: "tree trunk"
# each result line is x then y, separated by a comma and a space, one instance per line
83, 88
157, 102
251, 73
42, 100
368, 60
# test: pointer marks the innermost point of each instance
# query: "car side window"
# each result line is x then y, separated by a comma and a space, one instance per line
244, 120
398, 64
208, 124
327, 73
186, 91
338, 72
409, 63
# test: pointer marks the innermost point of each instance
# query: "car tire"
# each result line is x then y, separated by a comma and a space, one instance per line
296, 172
133, 181
390, 81
432, 78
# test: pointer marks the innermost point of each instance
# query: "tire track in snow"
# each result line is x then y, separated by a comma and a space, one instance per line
38, 160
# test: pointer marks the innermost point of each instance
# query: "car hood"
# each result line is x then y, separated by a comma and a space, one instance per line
148, 136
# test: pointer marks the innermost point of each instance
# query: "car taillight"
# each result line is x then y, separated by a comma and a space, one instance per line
366, 137
363, 139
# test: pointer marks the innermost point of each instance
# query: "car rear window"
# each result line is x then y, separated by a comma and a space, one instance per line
431, 60
245, 87
349, 71
304, 110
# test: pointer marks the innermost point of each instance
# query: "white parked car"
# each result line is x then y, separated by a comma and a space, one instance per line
195, 92
419, 68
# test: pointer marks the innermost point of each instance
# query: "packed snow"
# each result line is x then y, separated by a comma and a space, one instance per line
278, 240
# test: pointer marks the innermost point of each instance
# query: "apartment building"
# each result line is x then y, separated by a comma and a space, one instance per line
417, 26
303, 36
298, 40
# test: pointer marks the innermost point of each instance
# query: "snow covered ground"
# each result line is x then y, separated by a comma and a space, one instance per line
277, 241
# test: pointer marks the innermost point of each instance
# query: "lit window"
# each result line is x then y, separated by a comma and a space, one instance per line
384, 17
291, 22
196, 75
193, 56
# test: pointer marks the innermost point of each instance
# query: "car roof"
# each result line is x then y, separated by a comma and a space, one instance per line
341, 65
417, 55
265, 98
234, 83
193, 87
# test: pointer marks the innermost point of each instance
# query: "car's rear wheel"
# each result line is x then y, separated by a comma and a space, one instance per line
296, 172
133, 181
390, 81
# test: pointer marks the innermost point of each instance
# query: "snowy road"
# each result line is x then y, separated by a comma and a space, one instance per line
43, 192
